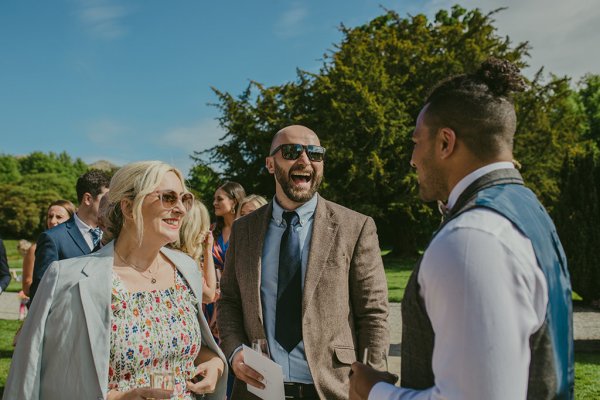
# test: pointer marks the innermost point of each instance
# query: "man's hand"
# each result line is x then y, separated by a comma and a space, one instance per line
363, 378
244, 372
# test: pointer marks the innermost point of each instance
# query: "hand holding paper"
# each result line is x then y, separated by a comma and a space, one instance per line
271, 372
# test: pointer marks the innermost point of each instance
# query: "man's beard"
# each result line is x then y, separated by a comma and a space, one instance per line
295, 194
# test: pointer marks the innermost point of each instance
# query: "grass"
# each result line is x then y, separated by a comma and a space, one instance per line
397, 272
7, 333
587, 365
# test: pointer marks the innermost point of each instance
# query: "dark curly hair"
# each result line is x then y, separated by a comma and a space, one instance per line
478, 107
92, 182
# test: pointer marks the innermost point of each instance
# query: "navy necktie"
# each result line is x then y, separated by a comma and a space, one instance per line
96, 236
288, 318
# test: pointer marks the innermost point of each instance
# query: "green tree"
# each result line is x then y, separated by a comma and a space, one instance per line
203, 182
577, 215
363, 103
551, 123
28, 184
589, 93
9, 169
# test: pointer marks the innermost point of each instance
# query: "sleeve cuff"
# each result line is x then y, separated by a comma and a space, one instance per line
233, 355
383, 390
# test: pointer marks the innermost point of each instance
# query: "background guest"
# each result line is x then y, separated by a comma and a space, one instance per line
196, 240
226, 204
250, 203
79, 235
4, 270
58, 212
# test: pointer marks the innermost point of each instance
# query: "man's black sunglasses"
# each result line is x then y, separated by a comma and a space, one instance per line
291, 151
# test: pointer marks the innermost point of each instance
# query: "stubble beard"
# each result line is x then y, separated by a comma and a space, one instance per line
293, 193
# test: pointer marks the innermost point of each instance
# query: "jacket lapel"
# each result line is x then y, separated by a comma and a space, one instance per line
95, 290
77, 236
256, 240
325, 227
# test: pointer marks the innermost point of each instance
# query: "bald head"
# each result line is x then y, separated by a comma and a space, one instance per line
295, 134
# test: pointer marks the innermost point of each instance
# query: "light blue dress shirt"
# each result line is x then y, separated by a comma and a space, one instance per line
294, 364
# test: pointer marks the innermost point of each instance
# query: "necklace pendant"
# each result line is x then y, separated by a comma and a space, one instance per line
153, 281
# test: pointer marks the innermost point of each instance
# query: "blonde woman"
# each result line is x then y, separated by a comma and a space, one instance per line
250, 203
196, 240
102, 324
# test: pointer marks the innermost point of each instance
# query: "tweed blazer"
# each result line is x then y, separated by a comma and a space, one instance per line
344, 302
64, 347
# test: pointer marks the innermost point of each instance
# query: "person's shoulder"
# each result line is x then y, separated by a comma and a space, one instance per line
345, 214
179, 258
58, 230
254, 218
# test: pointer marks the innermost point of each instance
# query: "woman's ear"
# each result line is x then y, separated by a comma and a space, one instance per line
127, 208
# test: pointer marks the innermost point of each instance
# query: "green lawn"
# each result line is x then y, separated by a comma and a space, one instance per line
397, 271
587, 365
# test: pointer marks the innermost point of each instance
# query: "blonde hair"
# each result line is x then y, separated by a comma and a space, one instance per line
134, 182
252, 198
194, 227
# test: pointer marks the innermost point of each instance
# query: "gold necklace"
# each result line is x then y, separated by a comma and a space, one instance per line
140, 270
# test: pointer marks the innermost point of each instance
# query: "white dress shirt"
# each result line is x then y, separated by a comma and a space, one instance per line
85, 231
485, 296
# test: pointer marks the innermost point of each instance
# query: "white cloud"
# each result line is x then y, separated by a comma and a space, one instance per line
563, 35
198, 136
103, 19
105, 132
291, 22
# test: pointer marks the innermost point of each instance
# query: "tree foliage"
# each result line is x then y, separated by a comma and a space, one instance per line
363, 104
576, 215
28, 184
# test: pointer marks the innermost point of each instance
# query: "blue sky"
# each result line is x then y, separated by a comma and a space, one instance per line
130, 80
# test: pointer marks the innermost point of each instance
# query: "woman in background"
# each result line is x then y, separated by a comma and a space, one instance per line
250, 203
58, 212
196, 240
226, 204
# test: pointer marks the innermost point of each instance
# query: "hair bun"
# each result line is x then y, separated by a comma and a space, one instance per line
501, 76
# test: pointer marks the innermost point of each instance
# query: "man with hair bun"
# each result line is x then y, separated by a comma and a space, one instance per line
487, 312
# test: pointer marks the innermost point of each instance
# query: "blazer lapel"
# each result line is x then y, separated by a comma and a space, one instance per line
325, 227
95, 290
76, 235
255, 241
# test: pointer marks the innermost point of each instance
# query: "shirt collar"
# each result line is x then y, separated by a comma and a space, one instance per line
305, 211
80, 224
472, 177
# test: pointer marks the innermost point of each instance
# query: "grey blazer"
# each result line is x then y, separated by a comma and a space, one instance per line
64, 346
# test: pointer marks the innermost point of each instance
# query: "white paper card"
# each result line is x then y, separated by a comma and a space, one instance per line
270, 370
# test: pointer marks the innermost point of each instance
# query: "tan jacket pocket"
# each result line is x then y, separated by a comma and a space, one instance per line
345, 355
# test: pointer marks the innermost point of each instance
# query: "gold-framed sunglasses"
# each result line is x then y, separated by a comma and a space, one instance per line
170, 198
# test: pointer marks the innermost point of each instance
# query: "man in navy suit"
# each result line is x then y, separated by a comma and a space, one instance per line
78, 236
4, 271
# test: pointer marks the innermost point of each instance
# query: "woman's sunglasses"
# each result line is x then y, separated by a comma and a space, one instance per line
170, 198
291, 151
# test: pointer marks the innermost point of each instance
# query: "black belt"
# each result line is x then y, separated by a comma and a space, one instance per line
300, 391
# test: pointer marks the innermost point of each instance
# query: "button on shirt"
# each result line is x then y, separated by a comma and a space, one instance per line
294, 364
85, 231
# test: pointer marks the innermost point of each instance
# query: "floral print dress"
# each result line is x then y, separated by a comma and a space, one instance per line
156, 329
